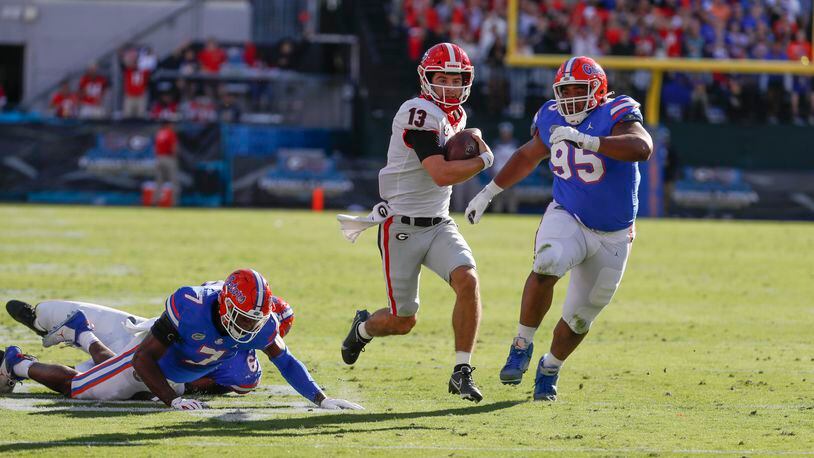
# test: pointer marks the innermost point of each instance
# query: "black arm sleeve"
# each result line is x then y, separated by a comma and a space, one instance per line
164, 331
424, 142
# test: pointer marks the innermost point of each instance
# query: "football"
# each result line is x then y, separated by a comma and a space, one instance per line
462, 145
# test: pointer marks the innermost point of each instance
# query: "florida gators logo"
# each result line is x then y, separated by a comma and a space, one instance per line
231, 286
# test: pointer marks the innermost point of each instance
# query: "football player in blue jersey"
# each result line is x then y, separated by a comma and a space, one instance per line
60, 321
593, 142
200, 332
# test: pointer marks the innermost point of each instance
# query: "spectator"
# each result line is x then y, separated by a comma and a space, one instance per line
506, 201
135, 90
189, 63
92, 88
212, 57
166, 156
229, 110
65, 102
3, 98
165, 108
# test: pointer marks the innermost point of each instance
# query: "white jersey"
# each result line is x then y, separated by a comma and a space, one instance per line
404, 183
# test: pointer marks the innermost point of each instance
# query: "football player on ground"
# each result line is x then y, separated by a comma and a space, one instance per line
115, 329
593, 142
417, 184
202, 328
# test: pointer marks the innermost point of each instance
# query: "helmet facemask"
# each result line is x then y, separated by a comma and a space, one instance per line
242, 326
569, 107
433, 90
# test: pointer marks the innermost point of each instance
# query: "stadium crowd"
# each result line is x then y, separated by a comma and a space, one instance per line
194, 83
719, 29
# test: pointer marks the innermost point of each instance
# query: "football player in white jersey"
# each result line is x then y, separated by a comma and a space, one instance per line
417, 184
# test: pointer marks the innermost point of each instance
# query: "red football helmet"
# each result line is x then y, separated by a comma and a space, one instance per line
284, 314
446, 58
244, 304
580, 71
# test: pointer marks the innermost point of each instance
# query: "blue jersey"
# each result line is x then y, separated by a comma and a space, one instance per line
599, 191
200, 348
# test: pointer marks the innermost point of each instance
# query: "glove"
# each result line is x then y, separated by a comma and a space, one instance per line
474, 211
486, 153
180, 403
339, 404
569, 134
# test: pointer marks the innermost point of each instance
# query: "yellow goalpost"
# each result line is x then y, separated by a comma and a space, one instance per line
657, 66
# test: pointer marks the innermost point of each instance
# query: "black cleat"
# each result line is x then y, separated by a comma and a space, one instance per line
24, 313
461, 383
354, 343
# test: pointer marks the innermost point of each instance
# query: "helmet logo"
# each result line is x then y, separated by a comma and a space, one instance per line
231, 286
590, 69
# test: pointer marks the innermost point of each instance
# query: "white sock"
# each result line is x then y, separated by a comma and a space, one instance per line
86, 339
551, 361
363, 332
21, 369
526, 332
462, 357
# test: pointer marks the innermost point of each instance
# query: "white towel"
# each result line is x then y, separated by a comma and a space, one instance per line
352, 226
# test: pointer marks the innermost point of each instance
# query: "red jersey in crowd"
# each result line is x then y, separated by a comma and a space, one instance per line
164, 110
211, 59
92, 88
64, 104
165, 142
135, 82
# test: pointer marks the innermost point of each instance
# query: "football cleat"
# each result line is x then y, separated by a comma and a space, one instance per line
545, 384
25, 314
354, 344
8, 379
461, 383
516, 364
68, 331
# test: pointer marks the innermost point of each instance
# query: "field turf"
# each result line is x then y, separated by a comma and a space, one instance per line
707, 347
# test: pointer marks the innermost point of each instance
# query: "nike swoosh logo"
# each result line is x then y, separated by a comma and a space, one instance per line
456, 385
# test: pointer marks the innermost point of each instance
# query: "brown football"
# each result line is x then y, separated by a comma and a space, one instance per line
462, 146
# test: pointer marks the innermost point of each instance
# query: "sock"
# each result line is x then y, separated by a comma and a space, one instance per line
551, 361
21, 369
86, 339
362, 332
462, 357
526, 332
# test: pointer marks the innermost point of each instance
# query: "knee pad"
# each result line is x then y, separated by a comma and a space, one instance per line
607, 282
548, 260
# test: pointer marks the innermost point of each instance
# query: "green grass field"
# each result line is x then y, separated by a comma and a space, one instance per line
707, 347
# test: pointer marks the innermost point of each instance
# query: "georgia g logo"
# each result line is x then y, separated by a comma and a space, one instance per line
402, 236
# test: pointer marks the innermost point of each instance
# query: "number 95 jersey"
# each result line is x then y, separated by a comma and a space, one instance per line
403, 182
601, 192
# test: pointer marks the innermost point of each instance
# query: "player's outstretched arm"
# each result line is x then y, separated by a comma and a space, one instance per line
296, 374
519, 166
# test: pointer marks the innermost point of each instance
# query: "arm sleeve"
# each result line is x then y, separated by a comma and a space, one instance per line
425, 143
164, 330
296, 374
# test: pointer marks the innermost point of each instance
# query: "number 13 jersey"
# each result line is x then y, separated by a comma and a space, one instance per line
601, 192
403, 182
